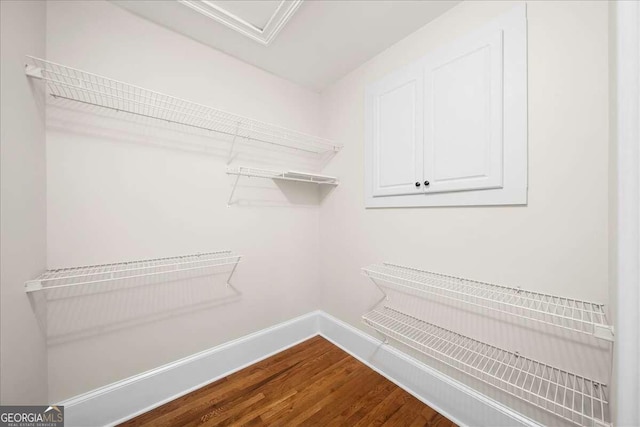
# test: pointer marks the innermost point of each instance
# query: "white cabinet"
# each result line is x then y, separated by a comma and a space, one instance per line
450, 129
463, 116
397, 116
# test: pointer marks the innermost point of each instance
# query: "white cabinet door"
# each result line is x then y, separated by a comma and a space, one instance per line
463, 148
395, 117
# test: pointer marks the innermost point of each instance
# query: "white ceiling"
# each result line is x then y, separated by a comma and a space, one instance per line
316, 43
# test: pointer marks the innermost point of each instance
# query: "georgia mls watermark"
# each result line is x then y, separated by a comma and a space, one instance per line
31, 416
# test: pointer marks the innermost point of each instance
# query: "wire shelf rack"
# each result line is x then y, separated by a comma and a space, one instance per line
271, 174
93, 274
87, 88
570, 396
575, 315
284, 175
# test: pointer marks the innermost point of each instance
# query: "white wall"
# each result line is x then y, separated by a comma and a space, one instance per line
558, 243
119, 190
23, 360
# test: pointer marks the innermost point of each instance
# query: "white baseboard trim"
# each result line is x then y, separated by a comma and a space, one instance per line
122, 400
128, 398
456, 401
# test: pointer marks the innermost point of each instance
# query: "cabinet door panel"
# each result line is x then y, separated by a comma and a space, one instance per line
463, 148
396, 130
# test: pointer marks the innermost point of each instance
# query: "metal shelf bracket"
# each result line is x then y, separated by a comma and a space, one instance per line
231, 156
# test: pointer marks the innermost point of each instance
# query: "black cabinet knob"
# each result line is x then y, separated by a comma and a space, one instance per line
417, 184
426, 183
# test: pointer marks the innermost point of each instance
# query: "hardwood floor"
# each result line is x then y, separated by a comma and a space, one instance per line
314, 383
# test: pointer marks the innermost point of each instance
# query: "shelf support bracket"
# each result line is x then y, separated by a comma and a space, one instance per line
603, 332
384, 339
33, 285
230, 157
233, 270
380, 288
233, 190
384, 298
33, 71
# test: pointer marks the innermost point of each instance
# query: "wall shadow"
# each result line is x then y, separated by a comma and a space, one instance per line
122, 127
85, 311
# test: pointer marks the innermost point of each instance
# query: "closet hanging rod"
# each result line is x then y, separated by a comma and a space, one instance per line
92, 274
566, 313
572, 397
91, 89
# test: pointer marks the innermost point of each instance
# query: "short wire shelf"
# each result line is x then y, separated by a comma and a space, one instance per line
575, 315
72, 84
570, 396
279, 175
283, 175
93, 274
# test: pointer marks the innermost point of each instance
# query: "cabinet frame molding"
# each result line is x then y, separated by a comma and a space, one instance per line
506, 188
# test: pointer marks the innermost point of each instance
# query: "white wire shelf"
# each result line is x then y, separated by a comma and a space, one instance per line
87, 88
284, 175
575, 315
280, 175
93, 274
570, 396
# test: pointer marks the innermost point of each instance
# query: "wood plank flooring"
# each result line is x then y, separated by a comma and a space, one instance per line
314, 384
